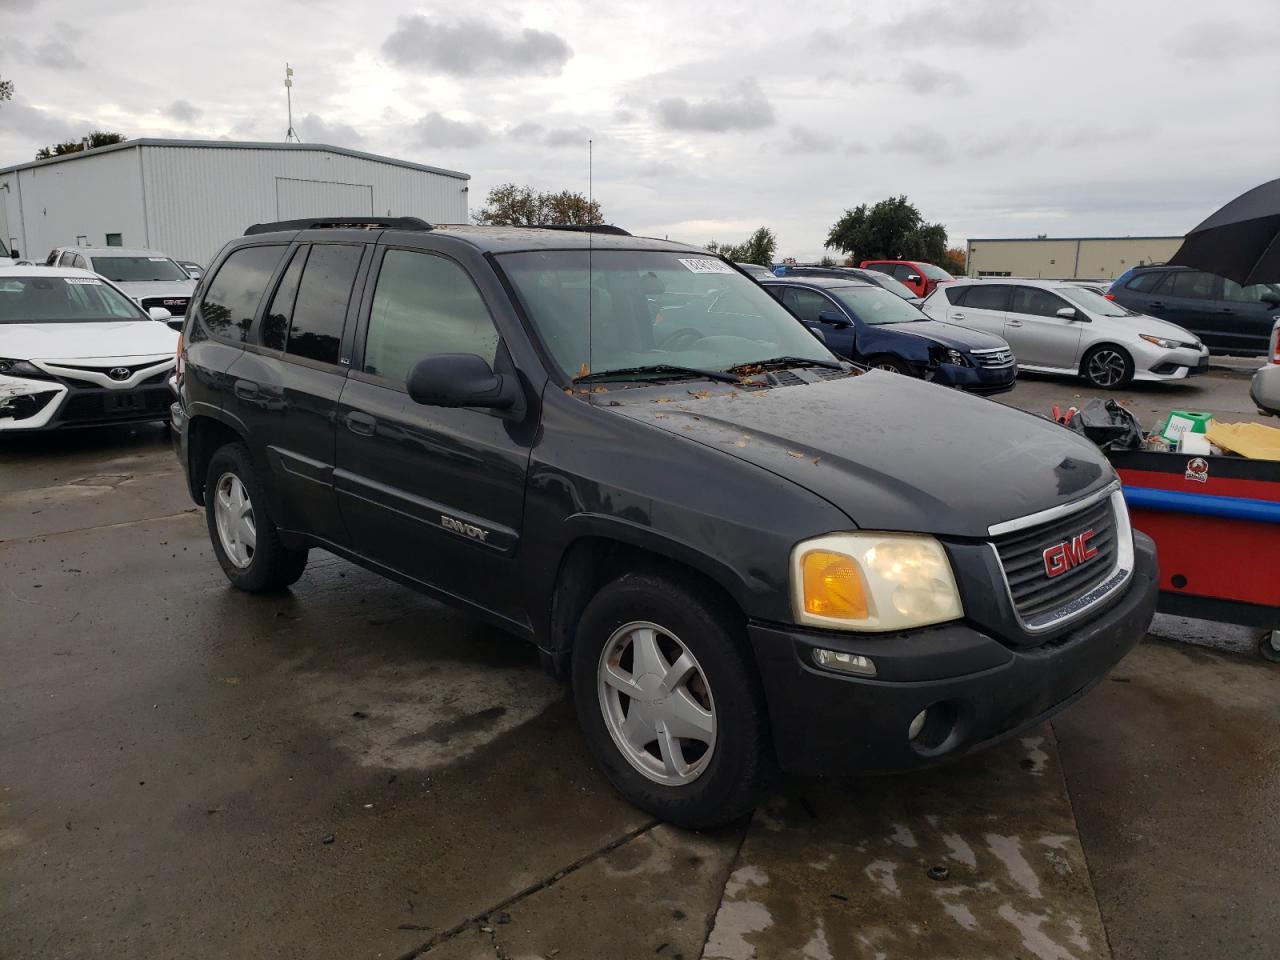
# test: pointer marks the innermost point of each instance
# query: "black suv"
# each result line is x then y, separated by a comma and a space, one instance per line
1229, 318
742, 550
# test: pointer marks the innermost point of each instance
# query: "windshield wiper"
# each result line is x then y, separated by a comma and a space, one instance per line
790, 362
658, 368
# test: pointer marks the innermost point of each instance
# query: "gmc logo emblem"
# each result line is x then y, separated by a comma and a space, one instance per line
1061, 557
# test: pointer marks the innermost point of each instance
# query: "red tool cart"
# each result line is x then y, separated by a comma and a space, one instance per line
1216, 524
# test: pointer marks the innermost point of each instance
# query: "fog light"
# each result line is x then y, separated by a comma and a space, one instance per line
917, 724
844, 662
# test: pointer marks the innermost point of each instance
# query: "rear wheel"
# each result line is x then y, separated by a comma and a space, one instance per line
669, 700
1107, 367
244, 537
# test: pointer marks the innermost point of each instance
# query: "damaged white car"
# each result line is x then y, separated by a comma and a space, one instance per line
76, 352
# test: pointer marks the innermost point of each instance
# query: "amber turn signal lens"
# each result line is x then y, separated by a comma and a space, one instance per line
833, 586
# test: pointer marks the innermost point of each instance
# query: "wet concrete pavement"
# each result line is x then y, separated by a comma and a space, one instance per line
351, 770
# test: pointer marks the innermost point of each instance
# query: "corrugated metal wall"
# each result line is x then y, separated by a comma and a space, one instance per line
198, 198
51, 205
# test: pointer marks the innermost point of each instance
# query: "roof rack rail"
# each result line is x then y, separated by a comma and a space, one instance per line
340, 223
584, 228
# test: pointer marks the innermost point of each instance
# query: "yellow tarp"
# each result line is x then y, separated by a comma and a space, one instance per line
1254, 440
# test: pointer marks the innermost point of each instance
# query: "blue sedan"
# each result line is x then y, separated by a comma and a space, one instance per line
870, 326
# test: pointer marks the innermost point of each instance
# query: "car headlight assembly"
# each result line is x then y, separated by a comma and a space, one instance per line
1160, 342
20, 368
947, 355
873, 582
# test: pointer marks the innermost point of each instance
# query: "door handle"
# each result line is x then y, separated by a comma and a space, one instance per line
245, 390
1155, 305
1015, 323
957, 316
360, 423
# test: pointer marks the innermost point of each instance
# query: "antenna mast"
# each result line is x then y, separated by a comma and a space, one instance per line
290, 135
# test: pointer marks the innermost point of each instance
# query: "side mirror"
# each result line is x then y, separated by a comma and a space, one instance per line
159, 313
14, 253
460, 380
175, 323
835, 319
913, 278
1270, 299
1067, 313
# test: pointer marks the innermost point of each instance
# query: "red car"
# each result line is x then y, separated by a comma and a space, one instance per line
920, 277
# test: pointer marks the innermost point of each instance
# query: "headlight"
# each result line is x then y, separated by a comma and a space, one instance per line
1160, 342
21, 368
947, 355
873, 582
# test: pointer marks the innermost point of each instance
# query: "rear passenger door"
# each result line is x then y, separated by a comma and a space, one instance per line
285, 386
1186, 297
1037, 334
433, 493
979, 306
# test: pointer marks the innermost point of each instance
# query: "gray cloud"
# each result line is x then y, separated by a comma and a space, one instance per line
314, 129
436, 130
16, 6
51, 54
744, 108
473, 47
183, 112
925, 78
527, 131
40, 125
1002, 24
918, 141
568, 137
1221, 40
804, 140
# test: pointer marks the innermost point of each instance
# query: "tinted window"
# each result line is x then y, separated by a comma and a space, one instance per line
1145, 282
1037, 302
901, 271
983, 296
138, 269
1195, 284
321, 305
232, 297
809, 305
954, 294
880, 267
275, 322
424, 305
1251, 294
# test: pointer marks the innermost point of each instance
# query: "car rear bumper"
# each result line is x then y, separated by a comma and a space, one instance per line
975, 691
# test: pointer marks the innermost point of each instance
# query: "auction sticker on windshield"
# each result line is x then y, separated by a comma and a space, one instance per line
83, 280
705, 266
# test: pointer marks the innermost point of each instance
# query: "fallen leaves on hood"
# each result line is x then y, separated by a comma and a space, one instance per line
795, 453
584, 370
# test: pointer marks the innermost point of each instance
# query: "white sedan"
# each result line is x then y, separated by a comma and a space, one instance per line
75, 351
1055, 326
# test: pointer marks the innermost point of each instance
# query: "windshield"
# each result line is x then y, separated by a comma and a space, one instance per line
876, 305
1094, 302
896, 287
935, 273
63, 300
138, 269
652, 308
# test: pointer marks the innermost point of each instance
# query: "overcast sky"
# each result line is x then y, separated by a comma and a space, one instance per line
996, 117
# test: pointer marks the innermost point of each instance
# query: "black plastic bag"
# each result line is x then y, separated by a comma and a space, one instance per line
1108, 424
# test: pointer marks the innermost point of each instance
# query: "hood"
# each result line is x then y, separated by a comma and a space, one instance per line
892, 452
947, 334
158, 288
68, 342
1144, 323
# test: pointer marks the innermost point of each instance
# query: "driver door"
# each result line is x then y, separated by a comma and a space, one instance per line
1038, 336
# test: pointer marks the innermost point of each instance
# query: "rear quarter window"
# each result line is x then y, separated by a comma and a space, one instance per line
1144, 282
231, 299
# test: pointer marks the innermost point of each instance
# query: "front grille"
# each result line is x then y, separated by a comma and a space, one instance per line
1022, 554
175, 305
993, 357
104, 406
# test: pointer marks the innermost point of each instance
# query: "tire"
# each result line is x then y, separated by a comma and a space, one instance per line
718, 774
1269, 646
266, 564
891, 364
1107, 367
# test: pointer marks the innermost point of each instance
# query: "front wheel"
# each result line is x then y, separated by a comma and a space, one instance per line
245, 539
669, 700
890, 364
1107, 367
1269, 646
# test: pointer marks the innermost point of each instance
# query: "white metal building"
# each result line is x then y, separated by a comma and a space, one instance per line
189, 197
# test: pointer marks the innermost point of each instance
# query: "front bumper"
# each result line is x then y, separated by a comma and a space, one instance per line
977, 690
31, 406
978, 379
1172, 364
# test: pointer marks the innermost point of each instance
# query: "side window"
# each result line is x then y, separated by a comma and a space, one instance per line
1037, 302
901, 271
231, 298
78, 262
1195, 284
808, 305
955, 294
1253, 293
776, 292
1145, 282
320, 309
880, 268
984, 296
275, 322
66, 259
424, 305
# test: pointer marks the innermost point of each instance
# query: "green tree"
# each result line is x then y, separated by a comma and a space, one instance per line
6, 90
96, 138
890, 230
757, 248
509, 205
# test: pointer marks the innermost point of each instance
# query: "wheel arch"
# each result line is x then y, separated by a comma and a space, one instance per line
207, 430
1093, 348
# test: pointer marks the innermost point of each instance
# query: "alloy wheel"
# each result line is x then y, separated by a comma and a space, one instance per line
1106, 368
233, 515
657, 704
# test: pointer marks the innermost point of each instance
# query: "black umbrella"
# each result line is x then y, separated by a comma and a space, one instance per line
1240, 241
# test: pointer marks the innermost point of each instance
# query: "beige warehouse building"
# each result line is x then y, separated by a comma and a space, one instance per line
1066, 258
